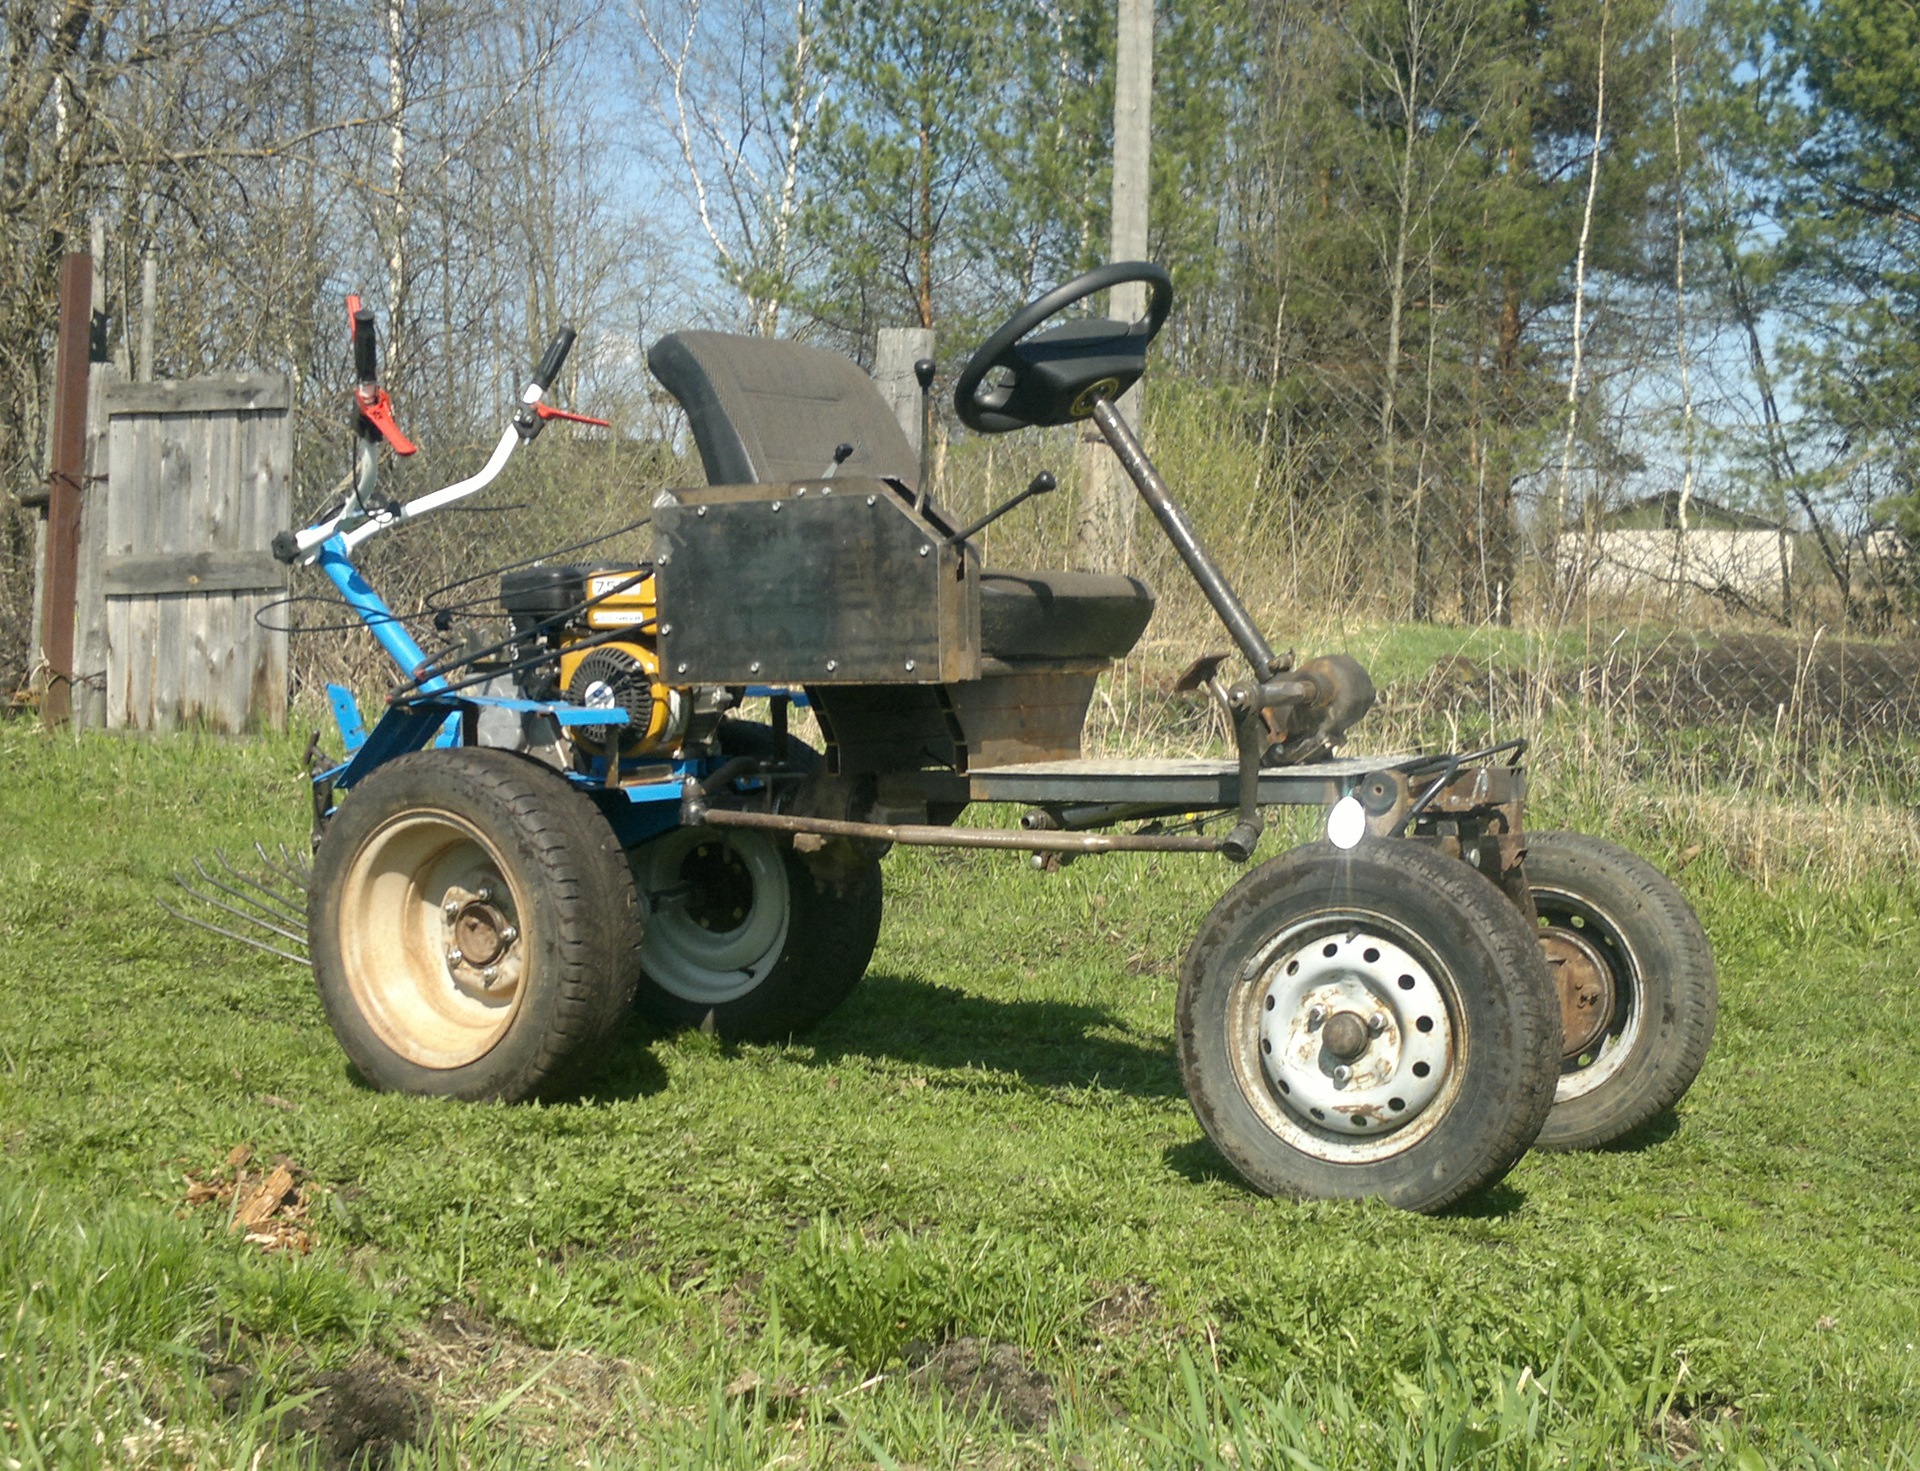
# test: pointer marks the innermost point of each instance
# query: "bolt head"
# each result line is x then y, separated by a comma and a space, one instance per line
754, 667
490, 975
450, 908
509, 934
909, 666
701, 511
925, 548
453, 957
832, 664
1316, 1015
1377, 1023
776, 508
1342, 1073
485, 896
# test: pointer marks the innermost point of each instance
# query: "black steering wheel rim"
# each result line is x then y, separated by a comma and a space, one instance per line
994, 351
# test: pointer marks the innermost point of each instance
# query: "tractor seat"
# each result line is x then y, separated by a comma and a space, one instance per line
766, 411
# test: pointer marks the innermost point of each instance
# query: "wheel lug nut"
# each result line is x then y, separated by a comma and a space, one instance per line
1377, 1023
485, 896
453, 957
1316, 1015
509, 935
450, 908
1342, 1073
489, 975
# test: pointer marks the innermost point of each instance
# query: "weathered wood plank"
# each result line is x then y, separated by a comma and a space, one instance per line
90, 608
156, 573
262, 391
200, 479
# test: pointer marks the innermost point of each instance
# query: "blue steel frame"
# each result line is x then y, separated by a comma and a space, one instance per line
438, 716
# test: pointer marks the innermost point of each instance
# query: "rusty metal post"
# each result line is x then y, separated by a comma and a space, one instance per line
65, 482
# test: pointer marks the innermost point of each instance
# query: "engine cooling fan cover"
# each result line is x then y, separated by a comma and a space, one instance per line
611, 678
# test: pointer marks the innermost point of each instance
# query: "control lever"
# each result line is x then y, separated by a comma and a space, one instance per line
1041, 484
841, 454
923, 371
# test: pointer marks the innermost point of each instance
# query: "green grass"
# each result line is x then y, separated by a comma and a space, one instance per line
719, 1256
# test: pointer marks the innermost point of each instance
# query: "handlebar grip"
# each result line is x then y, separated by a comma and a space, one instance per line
366, 348
553, 359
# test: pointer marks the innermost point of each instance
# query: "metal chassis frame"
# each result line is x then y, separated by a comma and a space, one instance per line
1470, 804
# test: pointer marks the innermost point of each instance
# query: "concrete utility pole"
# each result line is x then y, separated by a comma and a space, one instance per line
1103, 533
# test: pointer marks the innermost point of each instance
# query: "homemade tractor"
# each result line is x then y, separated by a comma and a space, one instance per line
547, 829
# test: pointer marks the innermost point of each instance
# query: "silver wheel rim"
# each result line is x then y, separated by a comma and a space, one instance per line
719, 909
1591, 928
431, 939
1345, 1037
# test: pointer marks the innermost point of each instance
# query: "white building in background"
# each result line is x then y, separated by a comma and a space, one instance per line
1641, 548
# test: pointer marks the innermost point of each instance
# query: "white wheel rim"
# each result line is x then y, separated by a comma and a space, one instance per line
432, 939
719, 907
1591, 929
1345, 1037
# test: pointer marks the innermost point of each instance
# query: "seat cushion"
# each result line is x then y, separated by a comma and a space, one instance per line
1061, 615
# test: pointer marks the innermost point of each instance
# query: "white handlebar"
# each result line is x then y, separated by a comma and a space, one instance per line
359, 520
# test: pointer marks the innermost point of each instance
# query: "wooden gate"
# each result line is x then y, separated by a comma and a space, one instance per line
175, 560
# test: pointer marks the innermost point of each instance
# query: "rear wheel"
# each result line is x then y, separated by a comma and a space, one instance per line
1369, 1023
1636, 981
745, 937
473, 925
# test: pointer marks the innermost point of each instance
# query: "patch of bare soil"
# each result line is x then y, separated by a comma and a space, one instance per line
1123, 1311
360, 1416
457, 1367
1839, 685
466, 1363
978, 1375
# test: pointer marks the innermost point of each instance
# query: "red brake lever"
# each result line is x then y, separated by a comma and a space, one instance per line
377, 409
548, 411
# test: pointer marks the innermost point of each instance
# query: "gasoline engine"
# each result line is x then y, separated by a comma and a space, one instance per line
597, 620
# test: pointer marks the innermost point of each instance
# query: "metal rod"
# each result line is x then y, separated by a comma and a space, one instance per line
1186, 540
927, 836
1079, 816
233, 935
240, 914
280, 900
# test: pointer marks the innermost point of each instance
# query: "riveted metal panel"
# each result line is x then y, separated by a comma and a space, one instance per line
839, 582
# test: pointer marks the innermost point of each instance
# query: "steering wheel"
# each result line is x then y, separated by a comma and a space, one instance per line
1016, 379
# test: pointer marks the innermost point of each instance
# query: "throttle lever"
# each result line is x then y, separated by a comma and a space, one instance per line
376, 409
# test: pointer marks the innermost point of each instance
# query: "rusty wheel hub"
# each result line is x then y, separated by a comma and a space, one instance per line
1584, 982
481, 933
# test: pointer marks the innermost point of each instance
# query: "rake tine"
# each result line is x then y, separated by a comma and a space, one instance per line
231, 934
299, 881
301, 864
279, 899
245, 899
252, 919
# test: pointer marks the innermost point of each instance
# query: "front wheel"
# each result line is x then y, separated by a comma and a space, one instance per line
1370, 1023
1636, 981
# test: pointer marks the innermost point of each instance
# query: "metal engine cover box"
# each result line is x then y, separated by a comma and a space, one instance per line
816, 582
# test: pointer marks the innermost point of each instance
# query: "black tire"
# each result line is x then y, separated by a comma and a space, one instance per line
473, 925
1399, 963
746, 938
1637, 985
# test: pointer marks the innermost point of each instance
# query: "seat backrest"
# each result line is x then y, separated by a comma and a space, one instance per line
764, 410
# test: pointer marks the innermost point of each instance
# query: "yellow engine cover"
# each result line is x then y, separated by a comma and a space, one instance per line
622, 675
